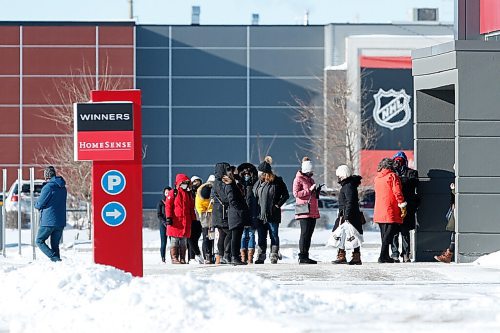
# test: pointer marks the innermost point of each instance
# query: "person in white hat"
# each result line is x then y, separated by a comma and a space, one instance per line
306, 194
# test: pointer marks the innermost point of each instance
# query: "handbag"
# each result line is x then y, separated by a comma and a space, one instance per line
303, 209
450, 218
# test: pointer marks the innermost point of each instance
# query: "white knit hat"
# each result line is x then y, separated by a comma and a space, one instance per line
343, 172
211, 179
196, 178
307, 166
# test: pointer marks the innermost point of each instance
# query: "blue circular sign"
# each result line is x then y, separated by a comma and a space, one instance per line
113, 214
113, 182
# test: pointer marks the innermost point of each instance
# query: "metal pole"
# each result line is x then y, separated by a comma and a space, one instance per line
89, 221
32, 210
4, 213
19, 200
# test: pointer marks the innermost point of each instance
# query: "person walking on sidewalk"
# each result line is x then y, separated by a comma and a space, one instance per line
194, 252
349, 211
219, 214
52, 207
179, 211
162, 219
409, 183
238, 215
271, 193
248, 176
204, 207
306, 194
390, 206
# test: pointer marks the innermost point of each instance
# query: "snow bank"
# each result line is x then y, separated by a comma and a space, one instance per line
492, 259
69, 296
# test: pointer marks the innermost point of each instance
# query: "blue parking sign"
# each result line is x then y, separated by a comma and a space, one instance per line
113, 182
113, 214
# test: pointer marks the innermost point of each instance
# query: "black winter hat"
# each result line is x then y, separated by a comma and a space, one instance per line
49, 172
265, 167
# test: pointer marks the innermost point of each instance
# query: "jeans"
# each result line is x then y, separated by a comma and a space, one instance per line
248, 238
236, 241
452, 242
207, 244
405, 237
193, 247
163, 238
306, 231
387, 231
263, 229
55, 234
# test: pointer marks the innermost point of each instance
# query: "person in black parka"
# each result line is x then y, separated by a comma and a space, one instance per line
271, 193
219, 214
349, 210
248, 176
409, 184
238, 214
162, 219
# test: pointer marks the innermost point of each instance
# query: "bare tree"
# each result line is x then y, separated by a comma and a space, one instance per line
74, 89
335, 134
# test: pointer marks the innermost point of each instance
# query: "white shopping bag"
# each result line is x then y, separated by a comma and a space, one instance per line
337, 237
353, 238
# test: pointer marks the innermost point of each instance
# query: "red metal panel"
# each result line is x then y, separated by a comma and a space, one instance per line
370, 159
9, 92
9, 150
58, 61
489, 12
32, 146
120, 61
36, 121
385, 62
44, 90
9, 61
116, 35
9, 35
9, 123
59, 35
120, 246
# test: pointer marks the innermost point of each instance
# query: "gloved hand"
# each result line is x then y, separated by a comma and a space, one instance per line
312, 188
403, 212
169, 221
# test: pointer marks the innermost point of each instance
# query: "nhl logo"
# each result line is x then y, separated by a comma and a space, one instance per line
392, 108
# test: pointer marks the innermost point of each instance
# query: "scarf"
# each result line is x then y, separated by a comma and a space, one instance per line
265, 192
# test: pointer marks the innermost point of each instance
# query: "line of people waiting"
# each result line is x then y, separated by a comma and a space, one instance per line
237, 202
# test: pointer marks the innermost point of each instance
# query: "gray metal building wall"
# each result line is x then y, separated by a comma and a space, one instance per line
223, 93
458, 122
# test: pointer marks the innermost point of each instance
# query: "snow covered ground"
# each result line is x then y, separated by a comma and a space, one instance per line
78, 296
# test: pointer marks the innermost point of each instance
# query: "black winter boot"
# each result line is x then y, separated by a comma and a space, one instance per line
236, 261
261, 256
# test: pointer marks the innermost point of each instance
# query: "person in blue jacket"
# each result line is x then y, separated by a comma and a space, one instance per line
52, 207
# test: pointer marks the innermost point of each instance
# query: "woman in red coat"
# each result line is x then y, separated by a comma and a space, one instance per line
179, 211
390, 206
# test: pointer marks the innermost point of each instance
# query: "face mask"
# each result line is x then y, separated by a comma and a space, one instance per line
184, 186
246, 178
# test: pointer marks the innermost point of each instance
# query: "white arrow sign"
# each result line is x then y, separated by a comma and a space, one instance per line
114, 214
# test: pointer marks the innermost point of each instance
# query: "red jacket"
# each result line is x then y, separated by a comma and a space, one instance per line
180, 208
388, 198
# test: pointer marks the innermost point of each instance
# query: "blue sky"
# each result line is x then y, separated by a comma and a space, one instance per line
222, 11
